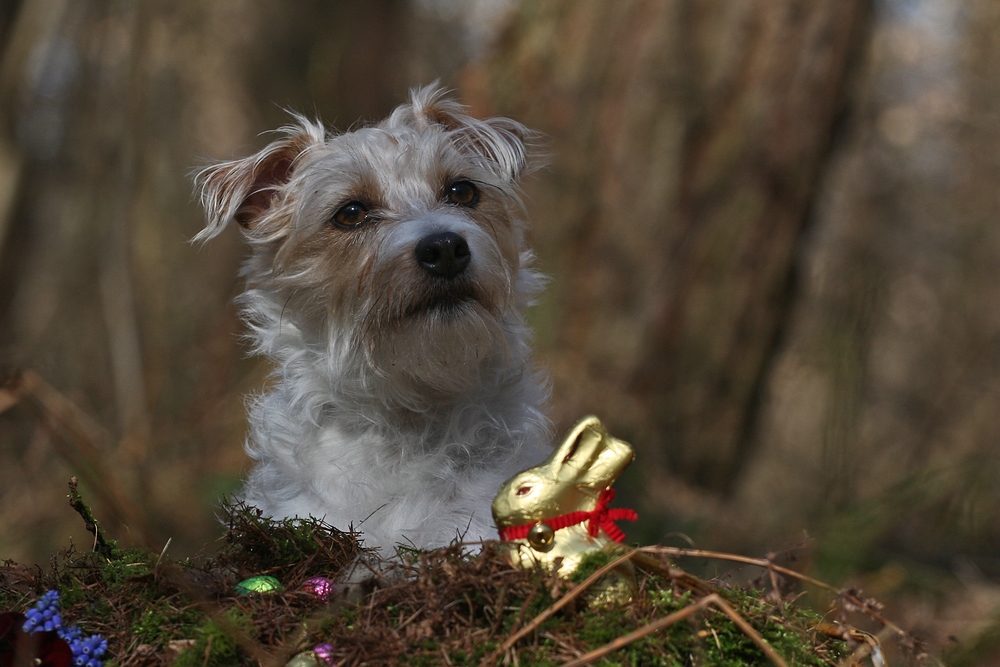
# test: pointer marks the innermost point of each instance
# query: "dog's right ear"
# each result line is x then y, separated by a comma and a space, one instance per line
244, 190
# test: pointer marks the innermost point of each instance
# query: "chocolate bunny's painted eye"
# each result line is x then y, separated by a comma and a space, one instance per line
524, 490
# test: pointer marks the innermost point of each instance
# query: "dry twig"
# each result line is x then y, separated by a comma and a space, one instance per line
849, 596
678, 552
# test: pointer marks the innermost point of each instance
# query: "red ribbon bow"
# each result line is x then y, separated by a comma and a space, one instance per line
599, 517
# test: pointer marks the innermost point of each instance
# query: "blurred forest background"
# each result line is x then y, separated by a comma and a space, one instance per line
771, 227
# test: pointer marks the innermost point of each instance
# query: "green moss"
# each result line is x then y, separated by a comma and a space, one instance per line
98, 608
591, 563
669, 647
667, 600
152, 627
329, 622
481, 651
12, 600
527, 609
541, 658
129, 565
348, 617
263, 546
71, 592
159, 624
425, 653
212, 638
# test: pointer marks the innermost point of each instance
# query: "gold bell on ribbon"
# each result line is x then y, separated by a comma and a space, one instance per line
541, 537
556, 513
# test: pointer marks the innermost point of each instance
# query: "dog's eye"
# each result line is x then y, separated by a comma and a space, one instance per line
462, 193
524, 490
351, 215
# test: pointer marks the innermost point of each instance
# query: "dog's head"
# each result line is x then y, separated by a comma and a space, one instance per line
401, 240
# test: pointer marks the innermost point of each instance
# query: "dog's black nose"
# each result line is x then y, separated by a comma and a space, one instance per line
445, 254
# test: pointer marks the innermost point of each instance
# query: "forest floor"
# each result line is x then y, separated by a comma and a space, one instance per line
451, 606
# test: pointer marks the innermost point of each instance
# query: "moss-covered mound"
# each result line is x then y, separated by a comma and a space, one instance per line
442, 607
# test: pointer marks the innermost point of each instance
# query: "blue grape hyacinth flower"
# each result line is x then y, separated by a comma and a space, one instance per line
88, 651
71, 633
44, 617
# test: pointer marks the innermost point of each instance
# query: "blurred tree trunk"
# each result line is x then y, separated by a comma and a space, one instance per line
882, 407
688, 139
105, 109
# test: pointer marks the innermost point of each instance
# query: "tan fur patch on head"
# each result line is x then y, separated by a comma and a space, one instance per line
362, 280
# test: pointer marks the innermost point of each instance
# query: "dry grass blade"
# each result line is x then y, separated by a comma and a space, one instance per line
680, 615
748, 630
679, 577
625, 640
866, 608
869, 646
571, 595
679, 552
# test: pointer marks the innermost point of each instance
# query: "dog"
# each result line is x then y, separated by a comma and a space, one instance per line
387, 280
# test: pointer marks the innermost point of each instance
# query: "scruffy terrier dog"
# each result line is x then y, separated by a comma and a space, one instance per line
387, 279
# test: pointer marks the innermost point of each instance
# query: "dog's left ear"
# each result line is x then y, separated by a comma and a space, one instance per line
501, 143
244, 190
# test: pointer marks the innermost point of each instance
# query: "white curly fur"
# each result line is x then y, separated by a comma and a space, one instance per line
387, 412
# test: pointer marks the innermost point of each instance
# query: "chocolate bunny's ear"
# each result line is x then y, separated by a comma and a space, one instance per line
581, 439
591, 456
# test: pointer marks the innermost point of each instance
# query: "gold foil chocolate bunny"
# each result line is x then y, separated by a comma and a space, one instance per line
557, 512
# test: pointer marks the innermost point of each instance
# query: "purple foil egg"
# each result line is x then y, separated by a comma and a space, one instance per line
325, 653
321, 587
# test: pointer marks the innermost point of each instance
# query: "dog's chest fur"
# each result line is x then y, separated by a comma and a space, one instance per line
421, 479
